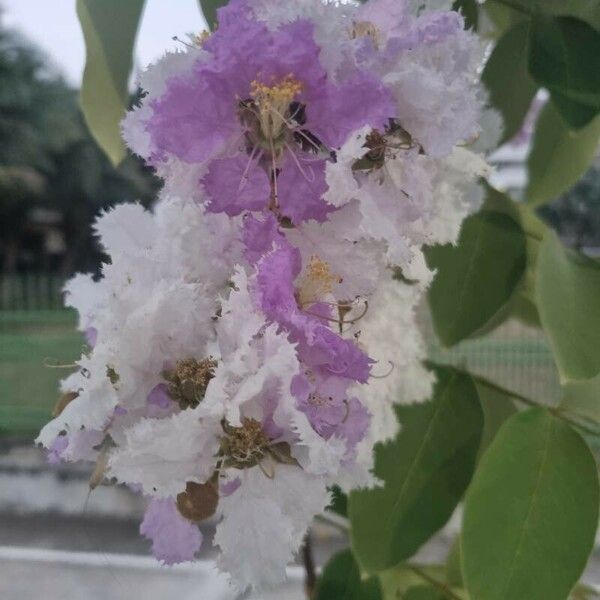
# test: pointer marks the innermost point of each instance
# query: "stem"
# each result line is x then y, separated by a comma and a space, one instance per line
439, 585
532, 236
556, 411
515, 7
310, 578
335, 521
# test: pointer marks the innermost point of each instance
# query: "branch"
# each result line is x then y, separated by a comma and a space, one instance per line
310, 577
556, 411
436, 583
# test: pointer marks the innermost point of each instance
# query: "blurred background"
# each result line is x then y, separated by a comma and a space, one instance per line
53, 182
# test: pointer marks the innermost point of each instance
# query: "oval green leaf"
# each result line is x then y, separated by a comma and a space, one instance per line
424, 592
341, 580
559, 156
209, 9
453, 565
425, 470
109, 30
497, 406
564, 57
507, 78
567, 293
586, 10
531, 512
476, 278
469, 9
583, 398
577, 115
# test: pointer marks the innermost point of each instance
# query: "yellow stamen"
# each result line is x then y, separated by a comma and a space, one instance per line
199, 38
366, 29
317, 282
273, 103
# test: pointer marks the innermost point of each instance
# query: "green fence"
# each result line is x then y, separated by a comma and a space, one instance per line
30, 291
36, 347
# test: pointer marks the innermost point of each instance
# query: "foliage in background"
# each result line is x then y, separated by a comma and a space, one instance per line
531, 494
49, 161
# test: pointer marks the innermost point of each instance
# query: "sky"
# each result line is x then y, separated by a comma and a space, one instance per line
53, 26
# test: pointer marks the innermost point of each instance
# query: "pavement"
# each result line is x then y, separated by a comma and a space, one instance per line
58, 575
56, 543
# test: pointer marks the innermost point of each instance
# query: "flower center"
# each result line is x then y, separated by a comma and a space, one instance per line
244, 446
361, 29
189, 379
272, 103
318, 401
268, 114
317, 281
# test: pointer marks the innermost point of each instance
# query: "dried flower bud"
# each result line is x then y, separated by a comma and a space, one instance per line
199, 501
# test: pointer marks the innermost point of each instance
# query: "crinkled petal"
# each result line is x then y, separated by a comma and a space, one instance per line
174, 539
264, 522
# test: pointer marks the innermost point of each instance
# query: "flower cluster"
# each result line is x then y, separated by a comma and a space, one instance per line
248, 338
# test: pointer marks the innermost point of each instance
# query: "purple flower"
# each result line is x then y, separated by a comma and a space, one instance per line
229, 487
325, 402
159, 402
234, 186
259, 236
174, 539
318, 345
91, 336
261, 110
55, 452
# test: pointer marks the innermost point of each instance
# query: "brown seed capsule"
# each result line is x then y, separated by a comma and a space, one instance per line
199, 501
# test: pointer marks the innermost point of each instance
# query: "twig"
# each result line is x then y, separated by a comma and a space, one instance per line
439, 585
556, 411
335, 521
310, 577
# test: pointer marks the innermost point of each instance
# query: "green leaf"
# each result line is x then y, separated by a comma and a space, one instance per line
497, 406
339, 502
424, 592
567, 294
531, 512
507, 78
341, 580
109, 30
583, 398
425, 469
476, 278
209, 9
453, 565
564, 57
586, 10
577, 115
559, 156
469, 10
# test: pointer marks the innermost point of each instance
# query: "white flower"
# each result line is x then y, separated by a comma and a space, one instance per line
153, 82
354, 263
93, 407
264, 522
161, 455
256, 364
